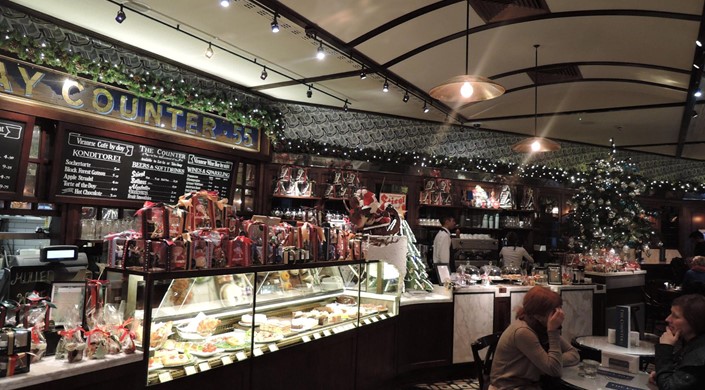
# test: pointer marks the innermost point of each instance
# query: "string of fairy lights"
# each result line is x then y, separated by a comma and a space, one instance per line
272, 123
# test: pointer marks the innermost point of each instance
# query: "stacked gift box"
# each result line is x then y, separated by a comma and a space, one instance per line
294, 181
436, 192
341, 184
202, 232
14, 351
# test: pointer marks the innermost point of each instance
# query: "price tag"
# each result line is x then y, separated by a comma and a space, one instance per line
316, 336
337, 330
352, 326
240, 356
272, 347
257, 352
383, 316
305, 339
190, 370
327, 333
366, 321
375, 319
204, 366
226, 360
165, 377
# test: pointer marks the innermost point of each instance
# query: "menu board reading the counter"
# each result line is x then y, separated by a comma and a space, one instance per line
11, 137
105, 168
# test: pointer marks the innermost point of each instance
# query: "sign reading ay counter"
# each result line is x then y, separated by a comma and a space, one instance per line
104, 168
11, 137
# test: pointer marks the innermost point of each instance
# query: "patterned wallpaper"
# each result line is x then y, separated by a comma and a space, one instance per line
359, 129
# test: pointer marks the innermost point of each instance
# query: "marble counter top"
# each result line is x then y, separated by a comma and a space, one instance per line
502, 290
613, 274
50, 369
440, 294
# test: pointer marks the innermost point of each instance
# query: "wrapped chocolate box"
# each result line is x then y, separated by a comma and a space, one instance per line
14, 364
153, 220
14, 341
177, 254
201, 251
176, 218
239, 252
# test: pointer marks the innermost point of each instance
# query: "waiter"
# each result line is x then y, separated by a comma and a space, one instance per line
441, 244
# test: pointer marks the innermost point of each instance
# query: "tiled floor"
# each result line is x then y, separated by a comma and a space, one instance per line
449, 384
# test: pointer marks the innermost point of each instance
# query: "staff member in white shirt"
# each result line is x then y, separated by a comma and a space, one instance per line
441, 244
511, 254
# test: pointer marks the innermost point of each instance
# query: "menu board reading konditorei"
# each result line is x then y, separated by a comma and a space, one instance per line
105, 168
11, 138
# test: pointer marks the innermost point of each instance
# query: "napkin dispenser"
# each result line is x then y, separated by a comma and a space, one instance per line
619, 361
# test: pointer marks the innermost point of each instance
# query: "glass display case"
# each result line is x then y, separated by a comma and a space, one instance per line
200, 320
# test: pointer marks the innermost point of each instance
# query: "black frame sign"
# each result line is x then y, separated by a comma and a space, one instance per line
99, 167
11, 142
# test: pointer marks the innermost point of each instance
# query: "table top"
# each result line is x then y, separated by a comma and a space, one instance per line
572, 376
645, 348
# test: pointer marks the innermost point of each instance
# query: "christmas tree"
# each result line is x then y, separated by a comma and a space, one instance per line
416, 277
606, 213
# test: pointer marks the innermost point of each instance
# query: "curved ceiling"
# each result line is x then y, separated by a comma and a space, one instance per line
625, 70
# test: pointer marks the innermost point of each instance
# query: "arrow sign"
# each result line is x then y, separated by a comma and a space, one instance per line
8, 130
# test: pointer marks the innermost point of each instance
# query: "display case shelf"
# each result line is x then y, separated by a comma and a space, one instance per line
244, 313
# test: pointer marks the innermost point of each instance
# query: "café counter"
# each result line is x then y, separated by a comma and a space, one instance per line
482, 310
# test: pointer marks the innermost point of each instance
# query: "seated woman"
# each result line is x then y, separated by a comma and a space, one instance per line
680, 354
532, 346
694, 279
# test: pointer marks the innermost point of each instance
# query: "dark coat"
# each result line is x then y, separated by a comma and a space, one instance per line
681, 368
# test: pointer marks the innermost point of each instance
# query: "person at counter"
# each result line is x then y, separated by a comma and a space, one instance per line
514, 255
441, 244
532, 346
698, 241
680, 354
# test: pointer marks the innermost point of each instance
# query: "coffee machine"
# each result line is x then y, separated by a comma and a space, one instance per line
474, 251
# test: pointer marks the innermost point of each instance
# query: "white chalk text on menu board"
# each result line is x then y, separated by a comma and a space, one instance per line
11, 137
104, 168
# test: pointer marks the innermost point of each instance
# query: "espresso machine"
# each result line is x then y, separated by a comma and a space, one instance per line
474, 251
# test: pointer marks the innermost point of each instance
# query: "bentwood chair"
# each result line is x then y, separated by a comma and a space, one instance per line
483, 367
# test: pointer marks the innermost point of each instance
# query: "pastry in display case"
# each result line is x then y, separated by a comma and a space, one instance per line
232, 315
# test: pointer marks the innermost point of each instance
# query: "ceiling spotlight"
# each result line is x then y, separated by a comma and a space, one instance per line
309, 93
698, 93
406, 97
425, 108
695, 114
363, 75
120, 15
275, 24
320, 53
345, 105
209, 51
263, 75
697, 42
385, 88
696, 66
225, 3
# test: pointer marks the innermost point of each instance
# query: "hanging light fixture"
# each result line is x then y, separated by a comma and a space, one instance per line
385, 87
467, 88
275, 24
120, 17
320, 53
536, 143
309, 93
406, 97
264, 74
209, 51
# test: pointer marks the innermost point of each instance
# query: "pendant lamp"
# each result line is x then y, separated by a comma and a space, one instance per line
467, 88
536, 144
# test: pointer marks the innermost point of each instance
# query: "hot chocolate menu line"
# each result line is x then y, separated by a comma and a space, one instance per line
11, 138
104, 168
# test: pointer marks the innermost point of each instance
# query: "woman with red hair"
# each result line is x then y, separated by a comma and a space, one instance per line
532, 345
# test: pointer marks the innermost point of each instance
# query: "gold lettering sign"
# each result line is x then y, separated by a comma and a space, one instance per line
36, 83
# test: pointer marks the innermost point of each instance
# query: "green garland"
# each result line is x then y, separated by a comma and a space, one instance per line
146, 85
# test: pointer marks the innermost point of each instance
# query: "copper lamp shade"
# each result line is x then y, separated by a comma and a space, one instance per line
455, 90
536, 145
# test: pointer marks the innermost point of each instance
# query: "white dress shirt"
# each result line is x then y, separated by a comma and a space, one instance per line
513, 255
441, 247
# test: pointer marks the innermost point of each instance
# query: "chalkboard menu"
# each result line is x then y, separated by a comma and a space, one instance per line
11, 137
103, 168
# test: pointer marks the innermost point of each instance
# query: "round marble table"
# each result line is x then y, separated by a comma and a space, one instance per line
646, 347
571, 376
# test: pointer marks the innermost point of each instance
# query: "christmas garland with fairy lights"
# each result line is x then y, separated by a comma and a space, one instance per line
179, 92
142, 83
